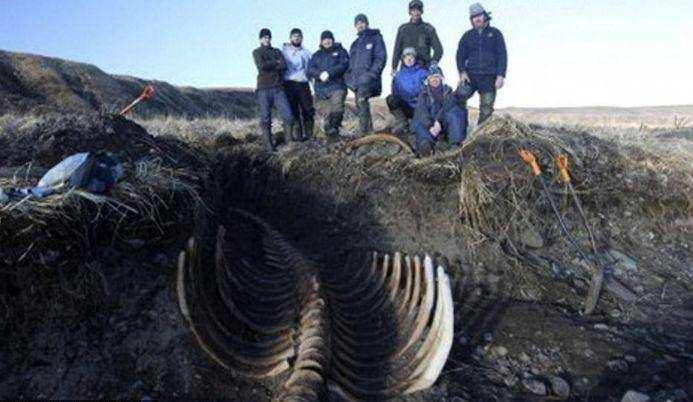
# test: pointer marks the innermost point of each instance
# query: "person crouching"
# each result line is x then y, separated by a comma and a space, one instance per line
438, 114
406, 87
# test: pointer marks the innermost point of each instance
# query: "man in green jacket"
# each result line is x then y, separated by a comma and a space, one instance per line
270, 88
419, 35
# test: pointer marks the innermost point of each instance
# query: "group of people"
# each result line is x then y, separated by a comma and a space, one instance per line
421, 103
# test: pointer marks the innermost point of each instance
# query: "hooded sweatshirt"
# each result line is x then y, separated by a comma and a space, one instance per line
297, 59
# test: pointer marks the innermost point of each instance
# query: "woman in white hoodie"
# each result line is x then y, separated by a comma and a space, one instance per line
297, 87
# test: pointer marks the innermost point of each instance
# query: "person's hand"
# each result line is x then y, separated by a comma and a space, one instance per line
393, 73
500, 81
464, 78
324, 76
435, 129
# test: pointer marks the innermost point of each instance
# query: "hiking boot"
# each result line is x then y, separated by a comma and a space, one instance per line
308, 129
267, 137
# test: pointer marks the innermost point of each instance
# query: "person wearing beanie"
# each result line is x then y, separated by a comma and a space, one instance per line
406, 87
417, 34
327, 68
438, 114
297, 87
270, 90
482, 62
367, 59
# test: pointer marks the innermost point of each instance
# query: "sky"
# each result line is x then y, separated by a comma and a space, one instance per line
562, 53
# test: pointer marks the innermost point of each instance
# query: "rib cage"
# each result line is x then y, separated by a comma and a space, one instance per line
372, 333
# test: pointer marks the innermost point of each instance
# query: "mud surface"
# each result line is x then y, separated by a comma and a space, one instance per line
111, 328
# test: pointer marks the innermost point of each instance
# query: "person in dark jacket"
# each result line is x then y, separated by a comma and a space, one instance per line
420, 35
438, 113
367, 59
482, 61
270, 91
297, 87
327, 68
406, 87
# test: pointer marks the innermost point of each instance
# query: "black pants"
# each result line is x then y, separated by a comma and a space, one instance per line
395, 102
300, 100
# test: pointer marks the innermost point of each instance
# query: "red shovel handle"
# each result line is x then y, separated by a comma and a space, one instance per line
148, 93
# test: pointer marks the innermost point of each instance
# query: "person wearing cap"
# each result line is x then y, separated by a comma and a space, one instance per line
367, 59
327, 68
270, 88
482, 61
420, 35
406, 87
438, 114
297, 87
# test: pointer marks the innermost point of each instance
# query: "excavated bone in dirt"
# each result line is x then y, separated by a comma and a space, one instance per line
376, 138
371, 333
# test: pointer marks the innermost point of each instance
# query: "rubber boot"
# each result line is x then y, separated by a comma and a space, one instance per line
308, 130
267, 136
296, 131
332, 124
486, 101
400, 127
425, 149
364, 113
288, 131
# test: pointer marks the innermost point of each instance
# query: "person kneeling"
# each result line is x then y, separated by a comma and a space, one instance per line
406, 87
438, 114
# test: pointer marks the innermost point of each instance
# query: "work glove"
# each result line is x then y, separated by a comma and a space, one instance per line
324, 76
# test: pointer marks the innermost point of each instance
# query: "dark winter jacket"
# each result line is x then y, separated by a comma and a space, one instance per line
335, 61
270, 67
422, 37
482, 52
431, 108
408, 83
367, 59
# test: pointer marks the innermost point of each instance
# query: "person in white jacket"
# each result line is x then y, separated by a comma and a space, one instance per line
297, 87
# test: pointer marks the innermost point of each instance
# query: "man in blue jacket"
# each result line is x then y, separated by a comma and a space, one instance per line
327, 67
406, 87
297, 87
438, 113
482, 61
270, 90
367, 59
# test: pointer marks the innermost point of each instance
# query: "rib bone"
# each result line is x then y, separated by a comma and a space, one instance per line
374, 332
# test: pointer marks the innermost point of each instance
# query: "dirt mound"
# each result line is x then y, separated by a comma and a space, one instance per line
48, 140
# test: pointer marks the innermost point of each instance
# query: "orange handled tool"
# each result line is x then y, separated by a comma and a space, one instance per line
562, 165
147, 94
529, 158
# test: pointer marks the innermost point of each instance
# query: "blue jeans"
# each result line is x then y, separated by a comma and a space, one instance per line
454, 123
274, 97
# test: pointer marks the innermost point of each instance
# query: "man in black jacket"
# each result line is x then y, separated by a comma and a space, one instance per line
367, 59
327, 68
419, 35
270, 91
482, 61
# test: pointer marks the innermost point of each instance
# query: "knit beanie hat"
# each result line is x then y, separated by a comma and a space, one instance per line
265, 32
296, 31
361, 18
326, 35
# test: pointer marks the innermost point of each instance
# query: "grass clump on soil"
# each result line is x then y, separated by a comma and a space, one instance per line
502, 205
46, 241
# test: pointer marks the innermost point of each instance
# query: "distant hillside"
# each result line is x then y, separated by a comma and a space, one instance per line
30, 83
